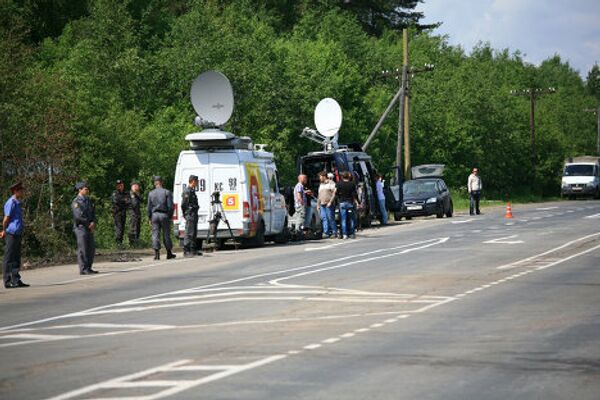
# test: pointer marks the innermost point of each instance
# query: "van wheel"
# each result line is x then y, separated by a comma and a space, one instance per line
284, 236
259, 239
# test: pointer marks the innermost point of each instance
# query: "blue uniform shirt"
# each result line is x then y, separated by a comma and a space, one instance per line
12, 209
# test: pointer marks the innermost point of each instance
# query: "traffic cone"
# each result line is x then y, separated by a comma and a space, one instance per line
508, 211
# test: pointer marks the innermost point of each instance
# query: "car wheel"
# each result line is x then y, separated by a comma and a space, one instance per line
397, 216
450, 210
408, 218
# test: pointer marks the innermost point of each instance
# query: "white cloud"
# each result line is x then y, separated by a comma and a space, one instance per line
537, 28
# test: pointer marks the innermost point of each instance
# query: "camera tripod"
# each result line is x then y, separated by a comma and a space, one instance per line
218, 213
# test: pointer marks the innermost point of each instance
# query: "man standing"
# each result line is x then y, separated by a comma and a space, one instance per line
135, 213
381, 199
84, 224
120, 204
345, 192
12, 232
160, 211
300, 202
474, 186
189, 206
326, 190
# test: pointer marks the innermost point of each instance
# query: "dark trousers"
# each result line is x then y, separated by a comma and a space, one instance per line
86, 247
120, 217
135, 220
191, 233
474, 204
12, 258
161, 222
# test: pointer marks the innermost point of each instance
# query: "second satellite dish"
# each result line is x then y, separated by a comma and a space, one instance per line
328, 117
212, 98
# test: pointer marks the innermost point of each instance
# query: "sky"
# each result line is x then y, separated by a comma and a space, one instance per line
538, 28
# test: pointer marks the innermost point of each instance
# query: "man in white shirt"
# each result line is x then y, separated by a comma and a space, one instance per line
326, 191
474, 186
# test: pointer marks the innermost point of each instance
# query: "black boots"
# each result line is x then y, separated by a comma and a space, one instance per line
157, 254
170, 255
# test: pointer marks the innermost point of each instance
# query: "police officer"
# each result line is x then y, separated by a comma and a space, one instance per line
135, 213
160, 211
120, 203
189, 206
12, 232
84, 224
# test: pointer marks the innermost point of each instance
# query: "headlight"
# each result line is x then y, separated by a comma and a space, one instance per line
432, 200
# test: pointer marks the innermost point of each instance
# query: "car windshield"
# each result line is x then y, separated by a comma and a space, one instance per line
419, 187
579, 170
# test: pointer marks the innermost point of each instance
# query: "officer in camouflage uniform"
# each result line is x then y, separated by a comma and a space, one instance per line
160, 211
84, 224
120, 204
135, 213
189, 206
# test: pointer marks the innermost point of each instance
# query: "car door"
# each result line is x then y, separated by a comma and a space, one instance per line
278, 207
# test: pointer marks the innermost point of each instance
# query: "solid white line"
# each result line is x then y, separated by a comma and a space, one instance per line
330, 246
463, 221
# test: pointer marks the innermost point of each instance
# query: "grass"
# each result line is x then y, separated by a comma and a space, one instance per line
462, 203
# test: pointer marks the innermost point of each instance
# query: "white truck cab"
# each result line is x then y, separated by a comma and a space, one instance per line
581, 177
245, 176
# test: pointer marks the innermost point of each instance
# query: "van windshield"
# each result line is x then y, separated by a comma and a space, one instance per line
579, 170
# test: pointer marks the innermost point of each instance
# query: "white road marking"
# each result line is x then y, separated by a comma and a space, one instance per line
526, 261
593, 216
546, 208
465, 221
505, 240
331, 340
313, 346
330, 246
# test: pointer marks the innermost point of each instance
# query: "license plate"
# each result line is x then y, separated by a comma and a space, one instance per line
577, 188
413, 208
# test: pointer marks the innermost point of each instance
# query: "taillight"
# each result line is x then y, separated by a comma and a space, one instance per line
246, 210
175, 212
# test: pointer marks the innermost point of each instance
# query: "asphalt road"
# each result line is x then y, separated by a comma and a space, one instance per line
462, 308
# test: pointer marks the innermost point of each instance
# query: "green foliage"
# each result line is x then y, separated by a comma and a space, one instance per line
99, 90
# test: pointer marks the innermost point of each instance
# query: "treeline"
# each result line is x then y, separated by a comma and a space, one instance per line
99, 90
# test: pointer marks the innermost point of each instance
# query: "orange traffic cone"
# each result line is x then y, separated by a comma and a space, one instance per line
508, 211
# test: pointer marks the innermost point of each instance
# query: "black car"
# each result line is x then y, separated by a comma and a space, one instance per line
426, 196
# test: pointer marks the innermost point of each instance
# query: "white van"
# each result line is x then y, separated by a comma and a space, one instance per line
581, 177
245, 175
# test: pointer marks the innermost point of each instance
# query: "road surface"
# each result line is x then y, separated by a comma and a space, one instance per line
462, 308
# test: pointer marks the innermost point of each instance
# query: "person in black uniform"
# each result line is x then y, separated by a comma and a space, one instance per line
189, 206
120, 204
135, 213
160, 211
84, 224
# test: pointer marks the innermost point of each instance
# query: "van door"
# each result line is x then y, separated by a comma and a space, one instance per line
192, 164
278, 208
225, 178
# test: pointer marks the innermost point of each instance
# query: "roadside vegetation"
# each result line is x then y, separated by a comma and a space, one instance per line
99, 90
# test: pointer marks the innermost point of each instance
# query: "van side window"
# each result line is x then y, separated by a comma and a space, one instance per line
273, 186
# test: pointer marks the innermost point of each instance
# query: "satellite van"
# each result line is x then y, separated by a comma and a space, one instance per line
336, 158
242, 176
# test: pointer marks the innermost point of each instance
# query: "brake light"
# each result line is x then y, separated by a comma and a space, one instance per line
246, 210
175, 212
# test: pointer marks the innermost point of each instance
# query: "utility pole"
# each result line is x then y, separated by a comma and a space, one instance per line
403, 138
597, 112
533, 94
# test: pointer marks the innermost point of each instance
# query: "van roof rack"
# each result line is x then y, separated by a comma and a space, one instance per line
217, 139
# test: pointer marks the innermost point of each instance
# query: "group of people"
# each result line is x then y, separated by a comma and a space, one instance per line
343, 194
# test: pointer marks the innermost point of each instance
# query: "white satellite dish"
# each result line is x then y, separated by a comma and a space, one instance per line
328, 117
212, 98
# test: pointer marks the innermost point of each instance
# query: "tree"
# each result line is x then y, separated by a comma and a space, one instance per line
593, 81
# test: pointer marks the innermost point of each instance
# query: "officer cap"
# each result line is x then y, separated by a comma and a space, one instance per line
156, 178
81, 185
330, 175
119, 182
16, 187
193, 178
135, 182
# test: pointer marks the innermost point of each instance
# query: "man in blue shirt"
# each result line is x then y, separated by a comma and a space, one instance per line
12, 232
